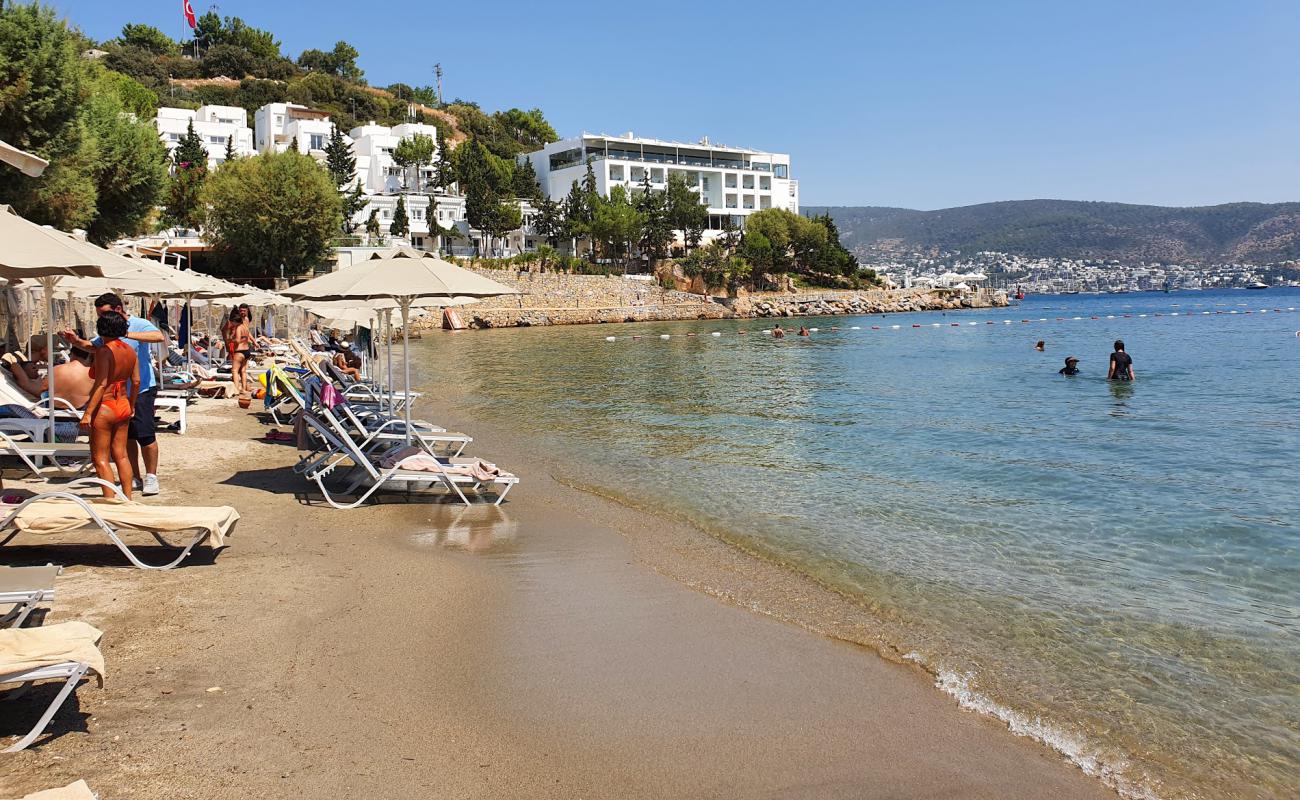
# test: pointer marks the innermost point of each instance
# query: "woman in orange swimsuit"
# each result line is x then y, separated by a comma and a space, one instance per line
116, 373
238, 344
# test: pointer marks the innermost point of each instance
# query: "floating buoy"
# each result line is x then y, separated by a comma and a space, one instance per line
916, 326
895, 327
610, 339
812, 330
859, 327
664, 336
873, 327
766, 332
715, 333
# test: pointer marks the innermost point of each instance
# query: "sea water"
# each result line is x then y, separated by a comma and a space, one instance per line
1112, 568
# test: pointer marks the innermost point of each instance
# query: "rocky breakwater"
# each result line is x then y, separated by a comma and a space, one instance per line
883, 301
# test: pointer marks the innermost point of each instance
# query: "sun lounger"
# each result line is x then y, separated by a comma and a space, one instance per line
35, 451
63, 511
25, 588
66, 651
451, 473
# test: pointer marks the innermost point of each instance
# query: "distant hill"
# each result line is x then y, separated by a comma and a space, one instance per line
1235, 232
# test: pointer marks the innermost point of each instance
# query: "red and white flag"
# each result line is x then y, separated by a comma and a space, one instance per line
189, 12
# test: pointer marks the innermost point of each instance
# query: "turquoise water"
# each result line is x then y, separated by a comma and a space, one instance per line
1111, 568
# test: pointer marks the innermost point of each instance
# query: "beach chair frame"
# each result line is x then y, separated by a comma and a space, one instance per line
111, 532
71, 672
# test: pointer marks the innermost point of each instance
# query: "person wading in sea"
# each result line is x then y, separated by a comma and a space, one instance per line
777, 333
1071, 367
1121, 364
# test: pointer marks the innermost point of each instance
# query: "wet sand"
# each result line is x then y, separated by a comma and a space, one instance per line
559, 646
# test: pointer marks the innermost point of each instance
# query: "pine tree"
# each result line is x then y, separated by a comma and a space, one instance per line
400, 226
524, 181
549, 222
183, 207
656, 229
190, 151
372, 225
293, 144
339, 160
353, 203
230, 150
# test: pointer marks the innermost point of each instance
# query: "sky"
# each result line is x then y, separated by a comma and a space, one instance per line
919, 104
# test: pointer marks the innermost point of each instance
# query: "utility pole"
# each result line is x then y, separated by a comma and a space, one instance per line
437, 71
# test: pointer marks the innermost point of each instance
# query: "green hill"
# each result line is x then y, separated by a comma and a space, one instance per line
1235, 232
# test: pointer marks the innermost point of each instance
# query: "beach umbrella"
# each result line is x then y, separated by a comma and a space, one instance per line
412, 278
26, 163
29, 251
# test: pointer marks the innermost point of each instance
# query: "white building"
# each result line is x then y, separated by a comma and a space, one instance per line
373, 146
215, 125
733, 181
279, 124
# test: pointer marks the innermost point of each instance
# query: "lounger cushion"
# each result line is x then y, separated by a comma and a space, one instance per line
73, 791
57, 515
26, 649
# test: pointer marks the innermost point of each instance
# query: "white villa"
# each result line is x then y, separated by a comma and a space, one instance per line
733, 181
215, 125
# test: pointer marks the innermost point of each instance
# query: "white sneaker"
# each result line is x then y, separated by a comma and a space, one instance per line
150, 485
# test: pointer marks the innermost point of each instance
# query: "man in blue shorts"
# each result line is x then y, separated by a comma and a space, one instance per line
142, 438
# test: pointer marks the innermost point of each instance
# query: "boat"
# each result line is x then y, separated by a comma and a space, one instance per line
1258, 285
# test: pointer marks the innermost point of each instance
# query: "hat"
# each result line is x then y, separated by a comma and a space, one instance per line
1072, 360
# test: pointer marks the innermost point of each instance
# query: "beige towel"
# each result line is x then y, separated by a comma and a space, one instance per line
24, 649
74, 791
60, 516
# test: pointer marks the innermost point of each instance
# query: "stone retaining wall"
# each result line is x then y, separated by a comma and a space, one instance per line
556, 299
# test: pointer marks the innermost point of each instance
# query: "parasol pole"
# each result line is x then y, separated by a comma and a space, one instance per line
48, 282
406, 360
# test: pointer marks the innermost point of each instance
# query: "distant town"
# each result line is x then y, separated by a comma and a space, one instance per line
1074, 275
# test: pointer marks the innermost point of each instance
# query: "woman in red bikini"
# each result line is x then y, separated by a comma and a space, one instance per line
116, 373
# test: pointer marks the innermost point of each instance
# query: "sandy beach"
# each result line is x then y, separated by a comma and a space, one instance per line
561, 645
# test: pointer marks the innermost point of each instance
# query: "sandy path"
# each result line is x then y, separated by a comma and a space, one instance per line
528, 651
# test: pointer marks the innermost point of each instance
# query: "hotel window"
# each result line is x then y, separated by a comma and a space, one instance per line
317, 141
729, 181
781, 170
616, 172
761, 166
765, 183
731, 201
764, 201
217, 139
173, 137
747, 182
385, 214
748, 201
656, 176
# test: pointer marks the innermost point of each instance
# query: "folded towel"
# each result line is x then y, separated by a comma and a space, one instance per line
413, 459
57, 515
73, 791
26, 649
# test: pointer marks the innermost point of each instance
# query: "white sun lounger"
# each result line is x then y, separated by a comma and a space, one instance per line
340, 449
25, 588
31, 452
66, 651
63, 511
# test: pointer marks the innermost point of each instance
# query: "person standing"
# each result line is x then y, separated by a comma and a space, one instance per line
111, 407
1121, 364
142, 434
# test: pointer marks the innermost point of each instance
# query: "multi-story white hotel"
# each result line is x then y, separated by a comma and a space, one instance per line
215, 125
732, 181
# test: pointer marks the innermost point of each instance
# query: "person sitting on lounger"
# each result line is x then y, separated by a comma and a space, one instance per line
72, 381
349, 363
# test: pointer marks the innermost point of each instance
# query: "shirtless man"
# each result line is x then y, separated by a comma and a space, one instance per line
72, 380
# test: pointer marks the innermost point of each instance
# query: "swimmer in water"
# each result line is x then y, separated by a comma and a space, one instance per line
1071, 367
1121, 364
805, 332
1041, 346
777, 333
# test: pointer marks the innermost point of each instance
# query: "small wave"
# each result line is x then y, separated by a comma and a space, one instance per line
1076, 750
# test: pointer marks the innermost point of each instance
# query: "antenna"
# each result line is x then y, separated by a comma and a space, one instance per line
437, 71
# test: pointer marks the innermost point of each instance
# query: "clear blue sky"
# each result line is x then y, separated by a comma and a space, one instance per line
920, 104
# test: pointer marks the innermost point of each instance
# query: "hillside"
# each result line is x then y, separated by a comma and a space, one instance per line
240, 65
1236, 232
